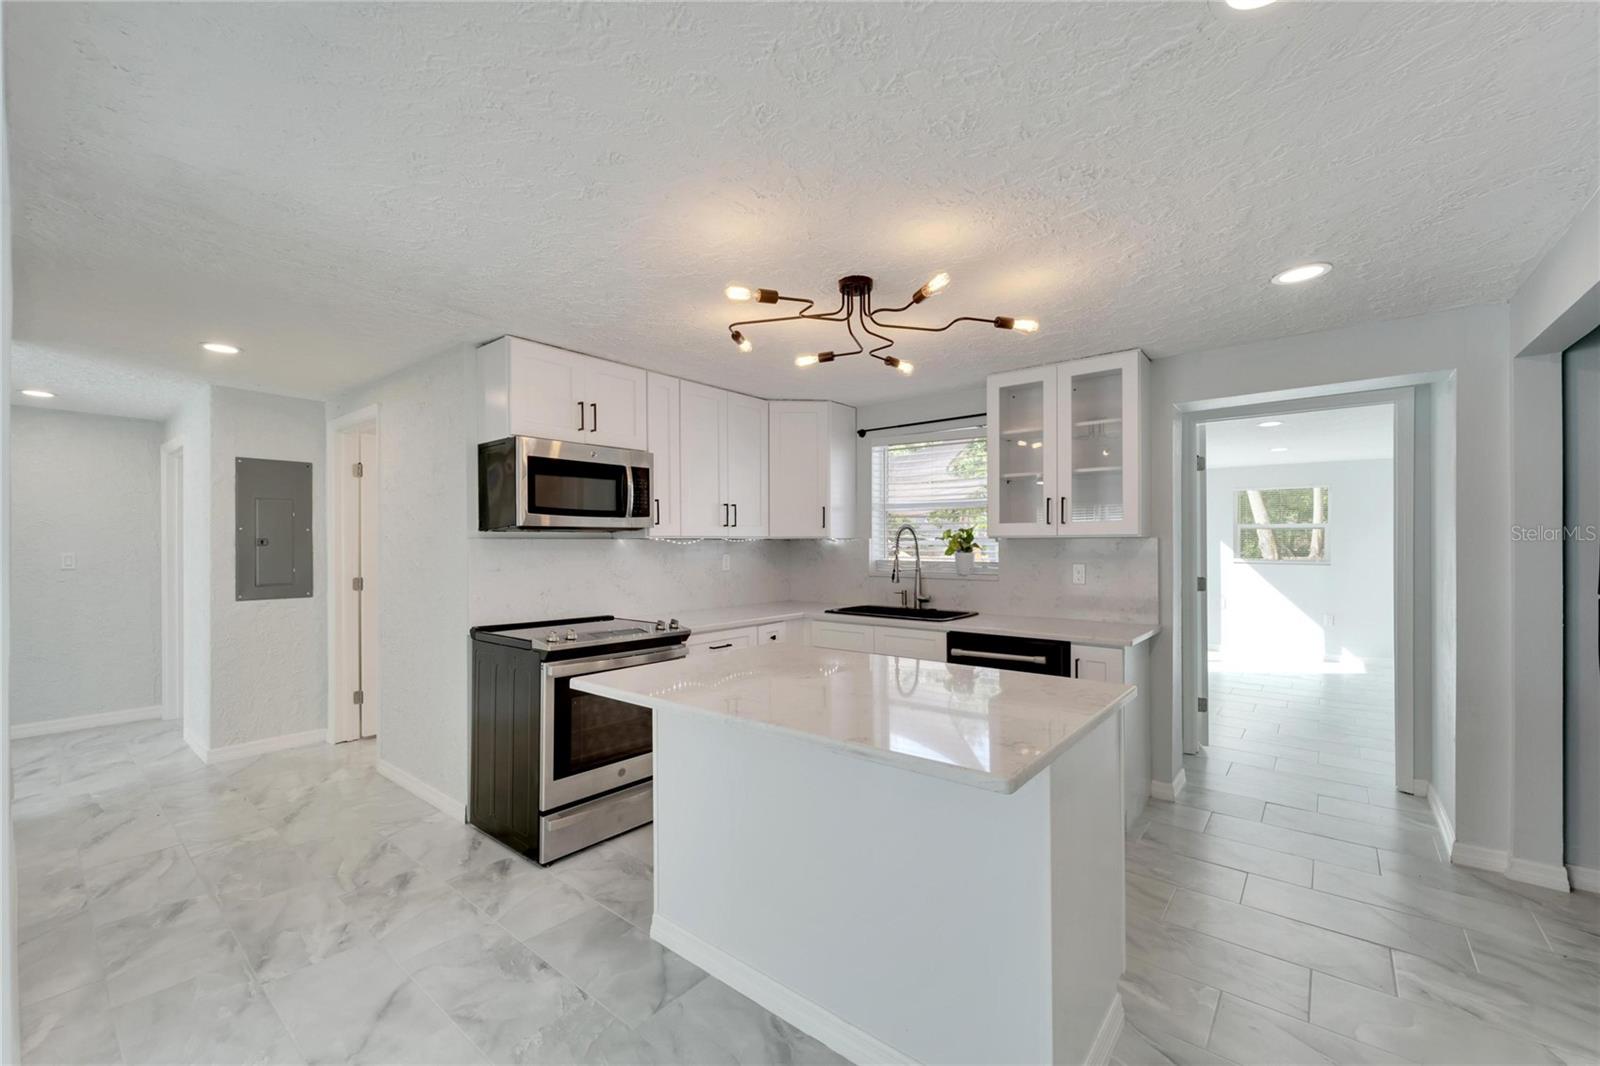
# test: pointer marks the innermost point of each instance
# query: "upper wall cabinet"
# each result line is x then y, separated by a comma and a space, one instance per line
666, 435
812, 483
722, 463
1064, 448
534, 390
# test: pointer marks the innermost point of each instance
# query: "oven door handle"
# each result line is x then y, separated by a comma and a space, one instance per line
601, 663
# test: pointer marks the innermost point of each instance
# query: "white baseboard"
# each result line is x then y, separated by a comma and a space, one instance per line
1441, 820
844, 1038
1110, 1031
1169, 790
1478, 858
1584, 878
423, 791
1551, 875
250, 749
84, 721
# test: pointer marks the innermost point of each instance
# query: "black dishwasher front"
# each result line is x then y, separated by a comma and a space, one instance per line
1029, 654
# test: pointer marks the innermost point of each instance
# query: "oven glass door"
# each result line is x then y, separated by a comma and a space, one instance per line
571, 488
591, 744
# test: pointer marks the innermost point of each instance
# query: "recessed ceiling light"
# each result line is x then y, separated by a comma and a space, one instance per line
218, 348
1280, 449
1248, 5
1296, 275
37, 394
1268, 425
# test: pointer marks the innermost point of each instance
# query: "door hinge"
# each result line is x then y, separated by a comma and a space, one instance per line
359, 697
358, 584
1203, 708
1199, 462
358, 470
1199, 584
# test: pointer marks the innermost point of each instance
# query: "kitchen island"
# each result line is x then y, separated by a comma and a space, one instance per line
912, 861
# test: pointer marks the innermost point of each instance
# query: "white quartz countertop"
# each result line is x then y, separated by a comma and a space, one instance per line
991, 729
1077, 630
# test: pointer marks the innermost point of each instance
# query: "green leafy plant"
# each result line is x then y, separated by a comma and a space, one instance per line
958, 540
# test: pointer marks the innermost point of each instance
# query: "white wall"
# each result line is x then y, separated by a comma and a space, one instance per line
268, 657
1307, 611
1473, 343
89, 639
10, 1024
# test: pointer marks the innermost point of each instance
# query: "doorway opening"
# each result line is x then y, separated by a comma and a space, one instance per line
1298, 542
353, 706
172, 607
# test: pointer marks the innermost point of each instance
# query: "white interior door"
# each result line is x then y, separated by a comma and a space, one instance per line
1202, 640
366, 596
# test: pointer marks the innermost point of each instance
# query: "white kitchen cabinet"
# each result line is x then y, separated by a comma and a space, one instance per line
1064, 448
841, 636
722, 463
665, 434
722, 640
812, 469
776, 633
1096, 664
534, 390
909, 643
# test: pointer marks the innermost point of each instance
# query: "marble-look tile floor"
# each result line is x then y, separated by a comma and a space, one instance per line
1292, 907
298, 907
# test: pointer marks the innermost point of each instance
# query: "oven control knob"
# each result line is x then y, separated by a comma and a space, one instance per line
660, 625
553, 637
572, 634
674, 624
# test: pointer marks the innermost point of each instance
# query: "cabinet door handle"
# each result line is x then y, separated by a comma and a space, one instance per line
594, 421
1077, 668
824, 516
580, 416
1047, 510
658, 510
735, 516
1061, 516
724, 516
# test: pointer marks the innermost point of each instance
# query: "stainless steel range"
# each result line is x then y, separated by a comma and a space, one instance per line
554, 769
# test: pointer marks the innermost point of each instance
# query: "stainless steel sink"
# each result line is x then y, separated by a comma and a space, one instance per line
920, 614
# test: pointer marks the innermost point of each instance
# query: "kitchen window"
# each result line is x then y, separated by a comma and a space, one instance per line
934, 482
1281, 525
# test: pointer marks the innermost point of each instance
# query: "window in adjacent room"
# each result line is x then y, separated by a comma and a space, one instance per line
933, 482
1281, 525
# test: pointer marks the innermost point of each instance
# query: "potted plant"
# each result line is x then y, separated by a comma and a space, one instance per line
959, 542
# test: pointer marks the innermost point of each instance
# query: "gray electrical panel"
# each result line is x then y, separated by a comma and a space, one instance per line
272, 529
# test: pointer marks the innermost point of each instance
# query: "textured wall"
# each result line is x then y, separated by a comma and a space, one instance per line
88, 640
191, 428
268, 657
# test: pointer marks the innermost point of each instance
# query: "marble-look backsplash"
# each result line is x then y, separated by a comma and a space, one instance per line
1035, 578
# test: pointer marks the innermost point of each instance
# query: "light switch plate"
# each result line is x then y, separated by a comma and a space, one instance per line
69, 561
1080, 573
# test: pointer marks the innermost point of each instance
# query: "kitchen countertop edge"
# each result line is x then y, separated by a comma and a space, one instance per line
1079, 630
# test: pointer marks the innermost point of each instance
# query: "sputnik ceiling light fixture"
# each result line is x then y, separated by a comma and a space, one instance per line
855, 310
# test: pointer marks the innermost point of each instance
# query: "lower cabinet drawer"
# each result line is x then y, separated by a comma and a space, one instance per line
726, 640
909, 643
776, 633
1090, 663
841, 637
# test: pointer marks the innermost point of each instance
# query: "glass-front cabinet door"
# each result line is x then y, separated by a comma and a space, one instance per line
1023, 453
1098, 461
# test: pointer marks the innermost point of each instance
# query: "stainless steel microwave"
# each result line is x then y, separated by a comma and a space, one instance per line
536, 484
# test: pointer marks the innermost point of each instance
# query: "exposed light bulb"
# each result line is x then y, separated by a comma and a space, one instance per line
1026, 325
906, 367
1022, 444
1038, 444
738, 292
742, 341
38, 394
808, 359
219, 348
1296, 275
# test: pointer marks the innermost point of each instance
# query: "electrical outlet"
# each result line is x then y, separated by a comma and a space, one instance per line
1080, 573
69, 561
727, 563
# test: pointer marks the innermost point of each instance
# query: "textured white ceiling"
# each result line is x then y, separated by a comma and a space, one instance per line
98, 385
342, 188
1339, 435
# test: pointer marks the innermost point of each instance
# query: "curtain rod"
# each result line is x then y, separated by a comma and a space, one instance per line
924, 422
